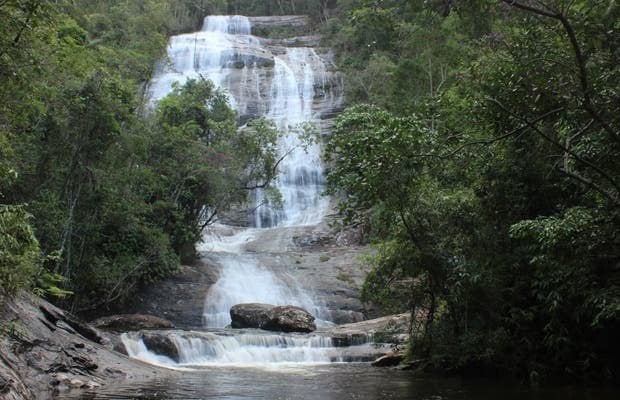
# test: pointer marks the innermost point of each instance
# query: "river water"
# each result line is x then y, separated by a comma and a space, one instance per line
334, 382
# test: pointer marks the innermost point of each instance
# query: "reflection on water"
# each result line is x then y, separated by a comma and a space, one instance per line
332, 382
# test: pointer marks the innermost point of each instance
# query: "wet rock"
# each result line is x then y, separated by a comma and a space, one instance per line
290, 319
59, 379
63, 325
179, 298
83, 363
64, 381
250, 315
389, 360
76, 383
11, 386
119, 347
62, 319
288, 24
345, 316
91, 385
161, 344
36, 359
131, 322
347, 339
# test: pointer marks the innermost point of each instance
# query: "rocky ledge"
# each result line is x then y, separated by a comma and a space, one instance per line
280, 20
391, 329
131, 322
379, 340
45, 351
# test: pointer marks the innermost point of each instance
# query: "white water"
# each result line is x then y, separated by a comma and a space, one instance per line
282, 84
245, 349
300, 180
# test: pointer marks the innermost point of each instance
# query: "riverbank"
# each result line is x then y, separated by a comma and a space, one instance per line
47, 353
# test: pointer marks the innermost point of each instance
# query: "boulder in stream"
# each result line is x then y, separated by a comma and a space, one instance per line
272, 318
391, 359
161, 344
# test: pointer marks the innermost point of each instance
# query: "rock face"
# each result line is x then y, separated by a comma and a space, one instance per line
269, 25
272, 318
179, 298
69, 323
131, 322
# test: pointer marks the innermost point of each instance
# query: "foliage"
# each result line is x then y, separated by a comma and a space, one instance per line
316, 9
488, 174
19, 250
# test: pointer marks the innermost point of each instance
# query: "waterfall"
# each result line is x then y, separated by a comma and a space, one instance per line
300, 181
290, 86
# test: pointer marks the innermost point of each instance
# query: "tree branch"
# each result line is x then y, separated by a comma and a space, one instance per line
272, 173
602, 173
579, 60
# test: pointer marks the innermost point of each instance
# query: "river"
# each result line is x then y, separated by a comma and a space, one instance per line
357, 381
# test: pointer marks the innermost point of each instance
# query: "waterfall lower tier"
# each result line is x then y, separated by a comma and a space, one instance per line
243, 280
249, 349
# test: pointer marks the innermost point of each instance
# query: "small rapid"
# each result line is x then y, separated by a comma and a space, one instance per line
248, 348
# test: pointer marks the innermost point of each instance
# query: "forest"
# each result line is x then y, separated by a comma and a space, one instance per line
478, 153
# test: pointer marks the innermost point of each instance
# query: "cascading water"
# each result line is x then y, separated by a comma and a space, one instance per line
243, 280
244, 349
280, 84
290, 86
300, 180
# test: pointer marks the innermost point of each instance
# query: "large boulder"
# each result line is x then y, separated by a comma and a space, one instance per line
250, 315
290, 319
131, 322
272, 318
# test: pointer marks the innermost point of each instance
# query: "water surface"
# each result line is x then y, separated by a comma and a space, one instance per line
335, 381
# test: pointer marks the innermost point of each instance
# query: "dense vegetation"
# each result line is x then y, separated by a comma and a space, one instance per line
481, 151
97, 198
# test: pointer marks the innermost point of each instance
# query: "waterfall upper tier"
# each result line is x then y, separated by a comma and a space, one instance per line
265, 78
226, 52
